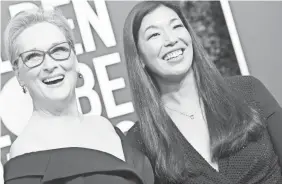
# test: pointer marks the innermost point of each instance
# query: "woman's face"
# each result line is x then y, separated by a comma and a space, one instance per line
165, 44
51, 80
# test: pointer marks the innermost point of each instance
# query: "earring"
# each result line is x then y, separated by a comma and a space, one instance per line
24, 89
79, 75
143, 65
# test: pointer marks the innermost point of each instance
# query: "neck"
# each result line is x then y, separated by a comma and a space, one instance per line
52, 109
178, 93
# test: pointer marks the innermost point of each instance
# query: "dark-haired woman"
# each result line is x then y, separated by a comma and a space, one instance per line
194, 125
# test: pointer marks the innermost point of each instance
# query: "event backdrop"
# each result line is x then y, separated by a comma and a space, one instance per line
104, 89
259, 26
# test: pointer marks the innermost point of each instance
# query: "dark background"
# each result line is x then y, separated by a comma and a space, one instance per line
209, 24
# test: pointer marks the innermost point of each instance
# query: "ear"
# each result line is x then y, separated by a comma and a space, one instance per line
17, 74
76, 65
21, 82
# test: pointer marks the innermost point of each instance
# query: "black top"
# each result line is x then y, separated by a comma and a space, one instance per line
255, 163
79, 166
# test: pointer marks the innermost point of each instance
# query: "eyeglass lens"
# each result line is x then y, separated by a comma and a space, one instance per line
34, 58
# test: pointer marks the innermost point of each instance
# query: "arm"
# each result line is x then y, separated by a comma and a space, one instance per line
273, 116
1, 174
133, 137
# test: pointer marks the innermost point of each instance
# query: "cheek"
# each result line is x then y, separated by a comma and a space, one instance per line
151, 51
186, 36
29, 75
69, 65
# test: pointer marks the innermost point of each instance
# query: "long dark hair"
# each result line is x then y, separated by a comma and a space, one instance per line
236, 122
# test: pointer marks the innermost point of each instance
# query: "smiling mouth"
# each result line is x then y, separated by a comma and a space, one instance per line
172, 55
53, 80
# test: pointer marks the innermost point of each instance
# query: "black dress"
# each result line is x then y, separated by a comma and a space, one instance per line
257, 163
79, 166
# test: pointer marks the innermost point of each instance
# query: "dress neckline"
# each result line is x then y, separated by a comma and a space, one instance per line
194, 155
65, 162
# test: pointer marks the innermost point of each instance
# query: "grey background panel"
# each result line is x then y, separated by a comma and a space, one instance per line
259, 26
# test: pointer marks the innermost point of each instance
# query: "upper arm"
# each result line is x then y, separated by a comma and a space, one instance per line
272, 114
16, 148
148, 173
266, 100
134, 138
25, 143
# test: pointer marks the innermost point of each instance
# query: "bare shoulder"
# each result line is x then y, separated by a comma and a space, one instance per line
98, 127
25, 143
96, 118
97, 121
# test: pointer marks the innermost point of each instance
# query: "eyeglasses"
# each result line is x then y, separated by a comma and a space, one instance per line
34, 58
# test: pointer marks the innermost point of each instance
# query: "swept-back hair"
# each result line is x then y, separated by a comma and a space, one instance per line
236, 122
27, 18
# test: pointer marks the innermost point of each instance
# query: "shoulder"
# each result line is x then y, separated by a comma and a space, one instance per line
134, 136
135, 154
96, 124
17, 148
25, 143
247, 87
94, 121
247, 84
134, 130
254, 91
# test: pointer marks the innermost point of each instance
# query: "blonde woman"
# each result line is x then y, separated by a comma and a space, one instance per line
59, 144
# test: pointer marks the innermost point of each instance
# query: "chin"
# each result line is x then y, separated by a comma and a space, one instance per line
60, 95
176, 75
180, 70
57, 98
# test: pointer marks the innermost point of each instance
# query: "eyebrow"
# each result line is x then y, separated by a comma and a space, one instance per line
172, 20
152, 26
52, 45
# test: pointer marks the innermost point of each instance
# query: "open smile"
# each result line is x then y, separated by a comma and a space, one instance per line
174, 55
50, 81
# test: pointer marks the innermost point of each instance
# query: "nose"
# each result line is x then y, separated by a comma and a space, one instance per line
49, 64
170, 38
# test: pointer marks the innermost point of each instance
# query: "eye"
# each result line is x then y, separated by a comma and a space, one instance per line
60, 49
32, 56
153, 35
178, 26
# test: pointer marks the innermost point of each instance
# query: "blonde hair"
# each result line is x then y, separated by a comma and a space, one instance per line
27, 18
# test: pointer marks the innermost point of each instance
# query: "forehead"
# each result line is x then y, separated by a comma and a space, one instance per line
39, 36
159, 16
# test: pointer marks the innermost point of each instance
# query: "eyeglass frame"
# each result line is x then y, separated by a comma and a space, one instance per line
45, 52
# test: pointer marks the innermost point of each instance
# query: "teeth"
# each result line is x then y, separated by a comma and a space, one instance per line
53, 78
173, 54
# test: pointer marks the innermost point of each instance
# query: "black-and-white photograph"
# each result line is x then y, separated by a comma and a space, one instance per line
143, 92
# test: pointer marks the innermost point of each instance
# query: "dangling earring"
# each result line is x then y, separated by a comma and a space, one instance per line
24, 89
